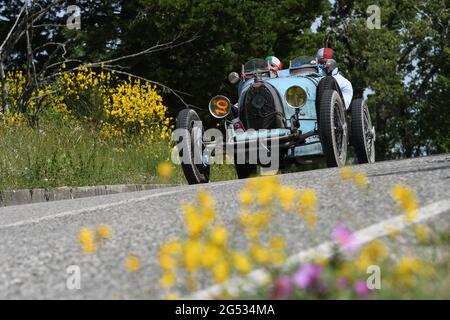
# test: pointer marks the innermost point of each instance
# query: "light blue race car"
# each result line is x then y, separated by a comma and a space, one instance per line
295, 115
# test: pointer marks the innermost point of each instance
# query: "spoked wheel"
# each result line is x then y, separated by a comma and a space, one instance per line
191, 148
333, 128
363, 133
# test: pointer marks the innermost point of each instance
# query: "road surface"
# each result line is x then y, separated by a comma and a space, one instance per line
38, 242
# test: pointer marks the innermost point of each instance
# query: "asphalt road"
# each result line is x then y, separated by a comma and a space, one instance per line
39, 241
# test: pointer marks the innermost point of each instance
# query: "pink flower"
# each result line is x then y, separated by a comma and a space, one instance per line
282, 288
307, 275
361, 289
345, 238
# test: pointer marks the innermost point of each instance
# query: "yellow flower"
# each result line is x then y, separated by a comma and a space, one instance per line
422, 233
205, 200
86, 237
168, 280
245, 197
89, 247
264, 196
193, 220
165, 170
171, 247
346, 173
221, 272
132, 263
219, 236
210, 255
171, 297
361, 180
191, 255
167, 262
407, 270
278, 257
104, 232
407, 200
287, 196
277, 242
374, 253
259, 254
311, 219
241, 262
307, 199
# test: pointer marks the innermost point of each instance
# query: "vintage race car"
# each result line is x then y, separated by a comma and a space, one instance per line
295, 115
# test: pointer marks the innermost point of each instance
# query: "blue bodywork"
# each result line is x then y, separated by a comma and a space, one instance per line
307, 115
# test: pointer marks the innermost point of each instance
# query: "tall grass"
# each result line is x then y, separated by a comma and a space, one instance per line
60, 153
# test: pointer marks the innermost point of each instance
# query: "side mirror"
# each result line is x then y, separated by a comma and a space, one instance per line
234, 78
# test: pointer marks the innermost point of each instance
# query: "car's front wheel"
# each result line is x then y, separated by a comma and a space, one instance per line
333, 128
191, 148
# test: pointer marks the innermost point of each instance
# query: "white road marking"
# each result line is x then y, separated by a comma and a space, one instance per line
259, 277
100, 207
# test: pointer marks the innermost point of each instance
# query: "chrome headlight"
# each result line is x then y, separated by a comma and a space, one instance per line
296, 97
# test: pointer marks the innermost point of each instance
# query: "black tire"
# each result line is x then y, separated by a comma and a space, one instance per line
333, 128
362, 132
327, 83
245, 171
194, 173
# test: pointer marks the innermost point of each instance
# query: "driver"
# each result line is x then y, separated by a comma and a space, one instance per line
325, 61
275, 64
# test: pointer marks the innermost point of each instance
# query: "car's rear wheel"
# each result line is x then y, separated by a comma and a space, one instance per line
333, 128
363, 133
191, 147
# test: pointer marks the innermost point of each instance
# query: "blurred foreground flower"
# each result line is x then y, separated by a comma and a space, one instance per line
87, 240
307, 275
104, 232
422, 233
165, 170
132, 263
361, 289
407, 200
345, 238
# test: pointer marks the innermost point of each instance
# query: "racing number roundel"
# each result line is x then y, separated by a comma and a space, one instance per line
220, 106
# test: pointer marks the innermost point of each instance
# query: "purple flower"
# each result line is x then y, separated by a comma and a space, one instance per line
345, 238
307, 275
282, 288
361, 289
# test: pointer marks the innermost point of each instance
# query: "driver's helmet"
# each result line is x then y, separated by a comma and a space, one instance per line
323, 55
325, 60
275, 63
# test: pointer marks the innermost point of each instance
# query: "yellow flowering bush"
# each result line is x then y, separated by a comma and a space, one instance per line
119, 109
38, 100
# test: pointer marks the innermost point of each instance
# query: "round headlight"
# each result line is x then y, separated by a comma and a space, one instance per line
220, 107
296, 97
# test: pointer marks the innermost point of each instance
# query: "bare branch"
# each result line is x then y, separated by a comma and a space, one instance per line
8, 36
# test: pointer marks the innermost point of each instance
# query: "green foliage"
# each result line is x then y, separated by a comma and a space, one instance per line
405, 64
